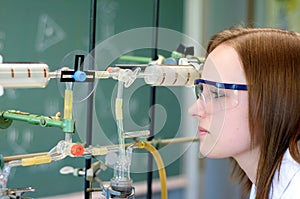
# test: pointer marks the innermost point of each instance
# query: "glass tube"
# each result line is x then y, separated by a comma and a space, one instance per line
171, 75
24, 75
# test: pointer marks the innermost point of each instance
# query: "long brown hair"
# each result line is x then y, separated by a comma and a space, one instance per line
271, 61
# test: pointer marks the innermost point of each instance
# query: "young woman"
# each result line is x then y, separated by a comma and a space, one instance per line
248, 108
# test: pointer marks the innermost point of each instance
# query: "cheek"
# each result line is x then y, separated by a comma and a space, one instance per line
236, 126
235, 135
229, 134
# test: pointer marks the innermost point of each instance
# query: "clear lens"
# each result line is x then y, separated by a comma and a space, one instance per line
216, 99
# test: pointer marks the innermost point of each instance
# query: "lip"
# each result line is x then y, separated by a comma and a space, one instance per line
202, 131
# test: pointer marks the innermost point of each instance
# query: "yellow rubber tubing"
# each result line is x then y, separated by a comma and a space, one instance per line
68, 104
36, 160
160, 166
118, 109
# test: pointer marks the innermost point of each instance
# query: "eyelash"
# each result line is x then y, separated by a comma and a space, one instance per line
217, 94
214, 93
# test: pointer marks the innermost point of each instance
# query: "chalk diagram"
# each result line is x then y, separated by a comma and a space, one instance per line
20, 141
49, 33
2, 38
108, 15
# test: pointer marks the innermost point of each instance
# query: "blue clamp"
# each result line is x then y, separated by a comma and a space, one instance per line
79, 76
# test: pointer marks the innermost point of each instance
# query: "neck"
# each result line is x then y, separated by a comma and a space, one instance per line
248, 161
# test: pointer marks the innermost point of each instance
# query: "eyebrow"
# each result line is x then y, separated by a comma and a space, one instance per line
222, 85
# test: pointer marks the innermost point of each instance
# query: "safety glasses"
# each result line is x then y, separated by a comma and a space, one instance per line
216, 96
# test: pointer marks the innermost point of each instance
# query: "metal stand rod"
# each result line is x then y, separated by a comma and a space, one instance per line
152, 102
155, 143
90, 102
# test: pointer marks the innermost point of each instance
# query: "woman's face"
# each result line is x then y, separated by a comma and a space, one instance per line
223, 125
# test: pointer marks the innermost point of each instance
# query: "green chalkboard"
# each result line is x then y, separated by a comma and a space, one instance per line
46, 31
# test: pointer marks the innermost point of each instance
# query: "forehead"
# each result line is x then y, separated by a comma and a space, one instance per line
224, 65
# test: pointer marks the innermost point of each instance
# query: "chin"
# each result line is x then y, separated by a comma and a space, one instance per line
212, 154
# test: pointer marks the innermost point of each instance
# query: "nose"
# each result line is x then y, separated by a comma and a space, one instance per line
197, 109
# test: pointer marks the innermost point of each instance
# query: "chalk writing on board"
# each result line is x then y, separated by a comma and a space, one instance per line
108, 15
2, 38
20, 141
49, 33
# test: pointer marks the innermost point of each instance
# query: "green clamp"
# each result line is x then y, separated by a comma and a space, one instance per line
1, 161
177, 55
68, 126
4, 123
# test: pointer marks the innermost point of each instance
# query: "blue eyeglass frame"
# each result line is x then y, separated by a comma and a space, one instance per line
242, 87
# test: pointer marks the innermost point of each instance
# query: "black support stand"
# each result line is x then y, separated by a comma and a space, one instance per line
90, 102
152, 98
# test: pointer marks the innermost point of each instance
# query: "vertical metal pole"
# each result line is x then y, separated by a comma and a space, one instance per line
155, 25
152, 100
194, 168
90, 102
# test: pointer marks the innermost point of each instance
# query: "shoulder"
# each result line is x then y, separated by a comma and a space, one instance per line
295, 182
288, 183
292, 190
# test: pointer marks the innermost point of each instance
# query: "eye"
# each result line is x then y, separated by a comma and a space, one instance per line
198, 90
217, 93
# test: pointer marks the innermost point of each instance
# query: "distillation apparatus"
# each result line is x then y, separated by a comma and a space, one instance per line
37, 75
